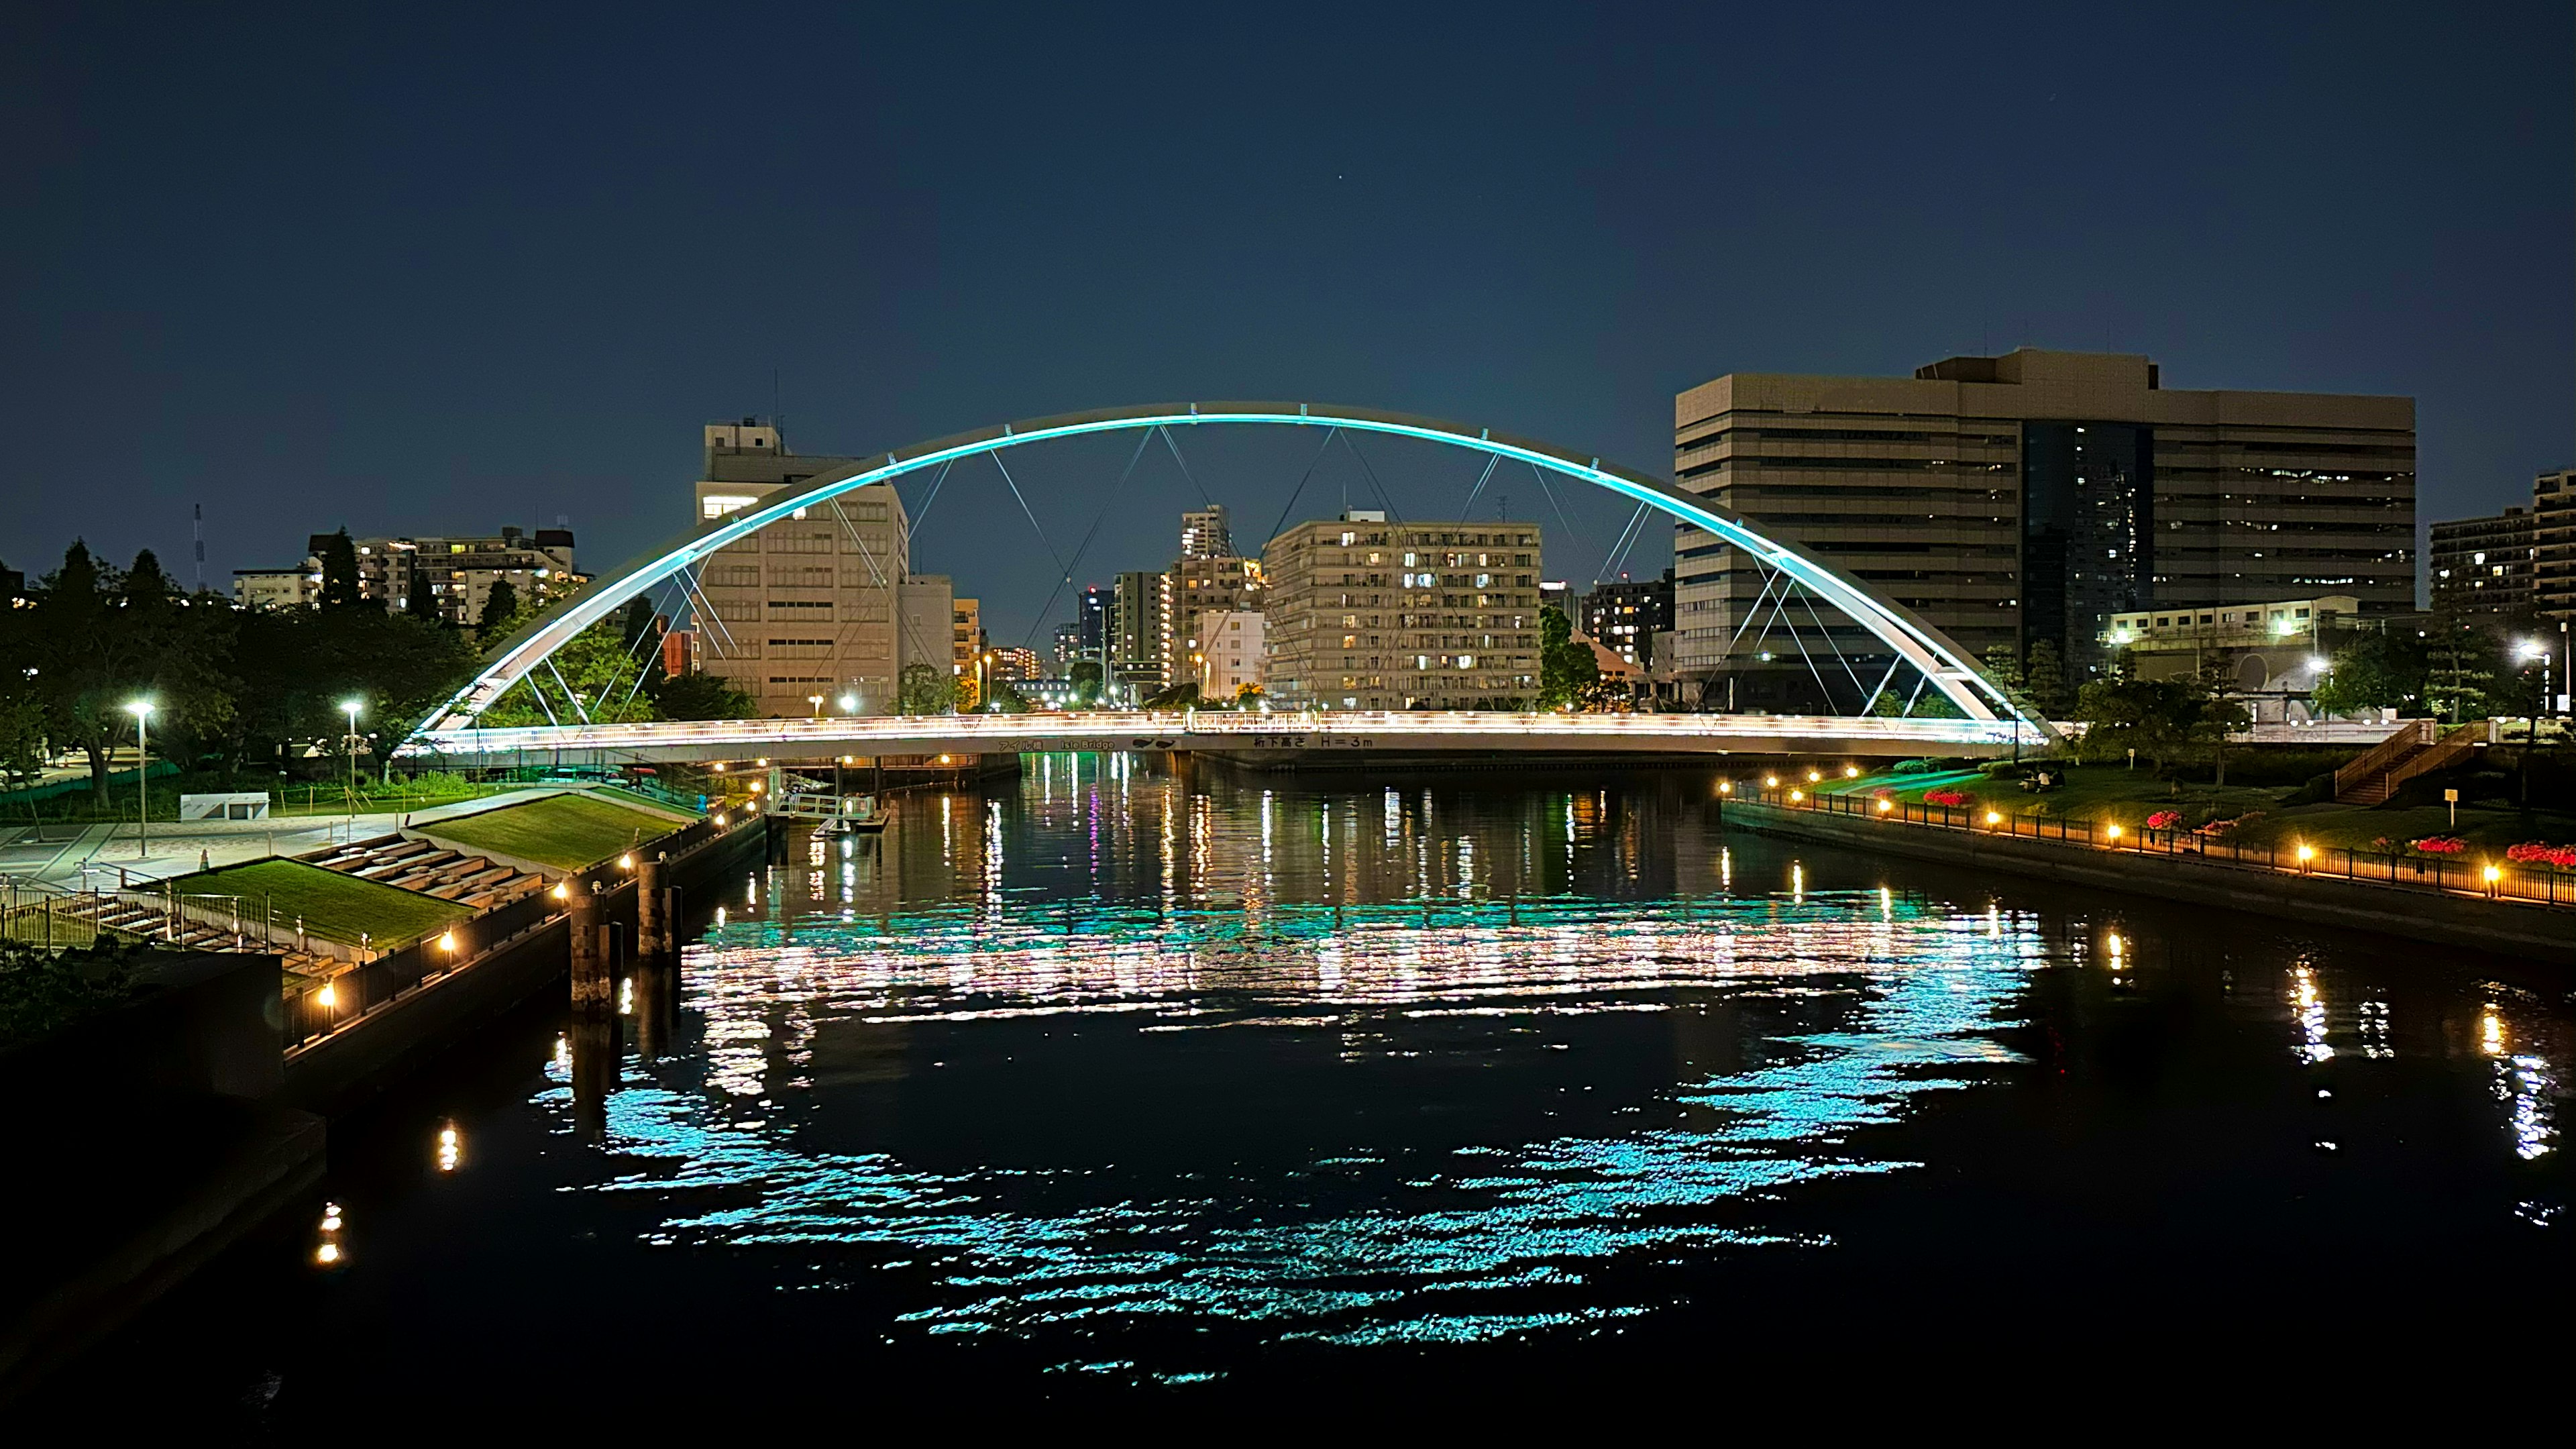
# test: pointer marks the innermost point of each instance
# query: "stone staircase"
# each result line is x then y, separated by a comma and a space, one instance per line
2418, 747
414, 864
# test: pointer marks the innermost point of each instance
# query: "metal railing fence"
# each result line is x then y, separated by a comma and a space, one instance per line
2482, 877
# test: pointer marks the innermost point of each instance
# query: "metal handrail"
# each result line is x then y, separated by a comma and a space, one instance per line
2485, 879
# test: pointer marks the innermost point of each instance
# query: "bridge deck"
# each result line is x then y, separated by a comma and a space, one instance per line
1279, 734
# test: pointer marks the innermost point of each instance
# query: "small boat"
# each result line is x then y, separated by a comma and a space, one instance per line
859, 815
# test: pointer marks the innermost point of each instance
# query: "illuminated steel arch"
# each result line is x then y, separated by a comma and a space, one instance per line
1943, 663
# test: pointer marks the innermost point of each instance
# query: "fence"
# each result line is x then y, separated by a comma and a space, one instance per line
346, 999
2483, 879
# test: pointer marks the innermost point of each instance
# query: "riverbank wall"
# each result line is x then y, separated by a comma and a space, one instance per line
2533, 932
334, 1073
150, 1139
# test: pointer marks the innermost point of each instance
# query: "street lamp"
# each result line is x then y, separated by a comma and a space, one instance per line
849, 704
351, 707
141, 709
815, 700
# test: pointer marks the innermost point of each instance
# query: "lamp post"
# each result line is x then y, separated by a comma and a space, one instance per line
815, 700
351, 708
141, 709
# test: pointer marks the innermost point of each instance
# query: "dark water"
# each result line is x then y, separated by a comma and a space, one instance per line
1122, 1084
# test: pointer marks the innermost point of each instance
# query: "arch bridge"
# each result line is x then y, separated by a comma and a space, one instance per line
1989, 718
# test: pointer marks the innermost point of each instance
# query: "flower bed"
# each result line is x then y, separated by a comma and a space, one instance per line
2164, 820
1949, 799
2443, 845
2533, 852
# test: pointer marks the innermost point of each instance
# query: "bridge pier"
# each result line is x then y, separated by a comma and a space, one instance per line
594, 1011
655, 972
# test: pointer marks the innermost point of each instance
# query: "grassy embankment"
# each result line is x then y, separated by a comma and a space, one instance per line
2108, 794
565, 832
340, 907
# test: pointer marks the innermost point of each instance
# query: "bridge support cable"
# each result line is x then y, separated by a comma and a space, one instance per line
1871, 703
894, 586
1027, 513
572, 696
1392, 512
1185, 466
1302, 480
912, 521
1619, 550
690, 587
1064, 579
1492, 461
1830, 641
1573, 535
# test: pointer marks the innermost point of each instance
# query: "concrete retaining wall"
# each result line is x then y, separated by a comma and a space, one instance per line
2536, 932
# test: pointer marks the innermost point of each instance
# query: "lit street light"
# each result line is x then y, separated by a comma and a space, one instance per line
141, 709
815, 700
351, 707
849, 704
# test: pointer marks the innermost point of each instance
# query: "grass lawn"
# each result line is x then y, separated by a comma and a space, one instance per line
333, 905
566, 832
2111, 793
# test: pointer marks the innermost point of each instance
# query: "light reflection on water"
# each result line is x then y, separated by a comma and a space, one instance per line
1871, 998
1410, 995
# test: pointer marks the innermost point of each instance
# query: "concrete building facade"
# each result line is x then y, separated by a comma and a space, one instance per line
1626, 615
810, 604
2484, 565
2015, 499
1139, 636
2553, 539
459, 572
1366, 614
1229, 652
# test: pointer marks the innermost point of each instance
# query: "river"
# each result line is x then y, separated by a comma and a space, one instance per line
1124, 1080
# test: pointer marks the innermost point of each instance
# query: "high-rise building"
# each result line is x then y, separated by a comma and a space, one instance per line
1091, 622
1140, 635
807, 605
2010, 500
2484, 565
1204, 533
1221, 583
1229, 652
1626, 615
1068, 644
965, 633
1367, 614
1015, 664
2553, 537
926, 612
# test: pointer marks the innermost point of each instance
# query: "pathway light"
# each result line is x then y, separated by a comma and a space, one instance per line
447, 941
327, 996
1885, 805
2307, 852
2494, 875
626, 862
1851, 772
2114, 831
1994, 817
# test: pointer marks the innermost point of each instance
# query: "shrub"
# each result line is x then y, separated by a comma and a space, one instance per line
2440, 845
2319, 789
2533, 852
2164, 820
1948, 798
1915, 767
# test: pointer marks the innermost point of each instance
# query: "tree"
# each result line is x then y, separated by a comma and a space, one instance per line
2220, 714
1007, 700
422, 602
2044, 678
2161, 719
595, 677
924, 690
2381, 670
299, 666
1249, 696
1086, 682
99, 639
340, 582
1566, 670
500, 606
1184, 695
697, 695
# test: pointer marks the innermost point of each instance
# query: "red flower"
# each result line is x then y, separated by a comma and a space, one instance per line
1952, 798
2441, 845
2164, 820
2533, 852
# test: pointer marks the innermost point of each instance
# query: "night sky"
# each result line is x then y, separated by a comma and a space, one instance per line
444, 270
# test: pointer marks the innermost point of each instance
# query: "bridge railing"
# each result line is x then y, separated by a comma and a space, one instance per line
2485, 878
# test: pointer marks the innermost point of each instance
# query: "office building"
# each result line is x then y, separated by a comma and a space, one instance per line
2553, 540
2015, 499
1091, 622
1068, 644
1229, 652
1625, 616
2484, 565
1366, 614
808, 605
926, 611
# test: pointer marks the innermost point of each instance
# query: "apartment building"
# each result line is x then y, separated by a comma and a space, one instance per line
1228, 651
810, 604
1624, 616
1366, 614
1139, 630
2553, 539
2009, 500
2484, 565
457, 572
